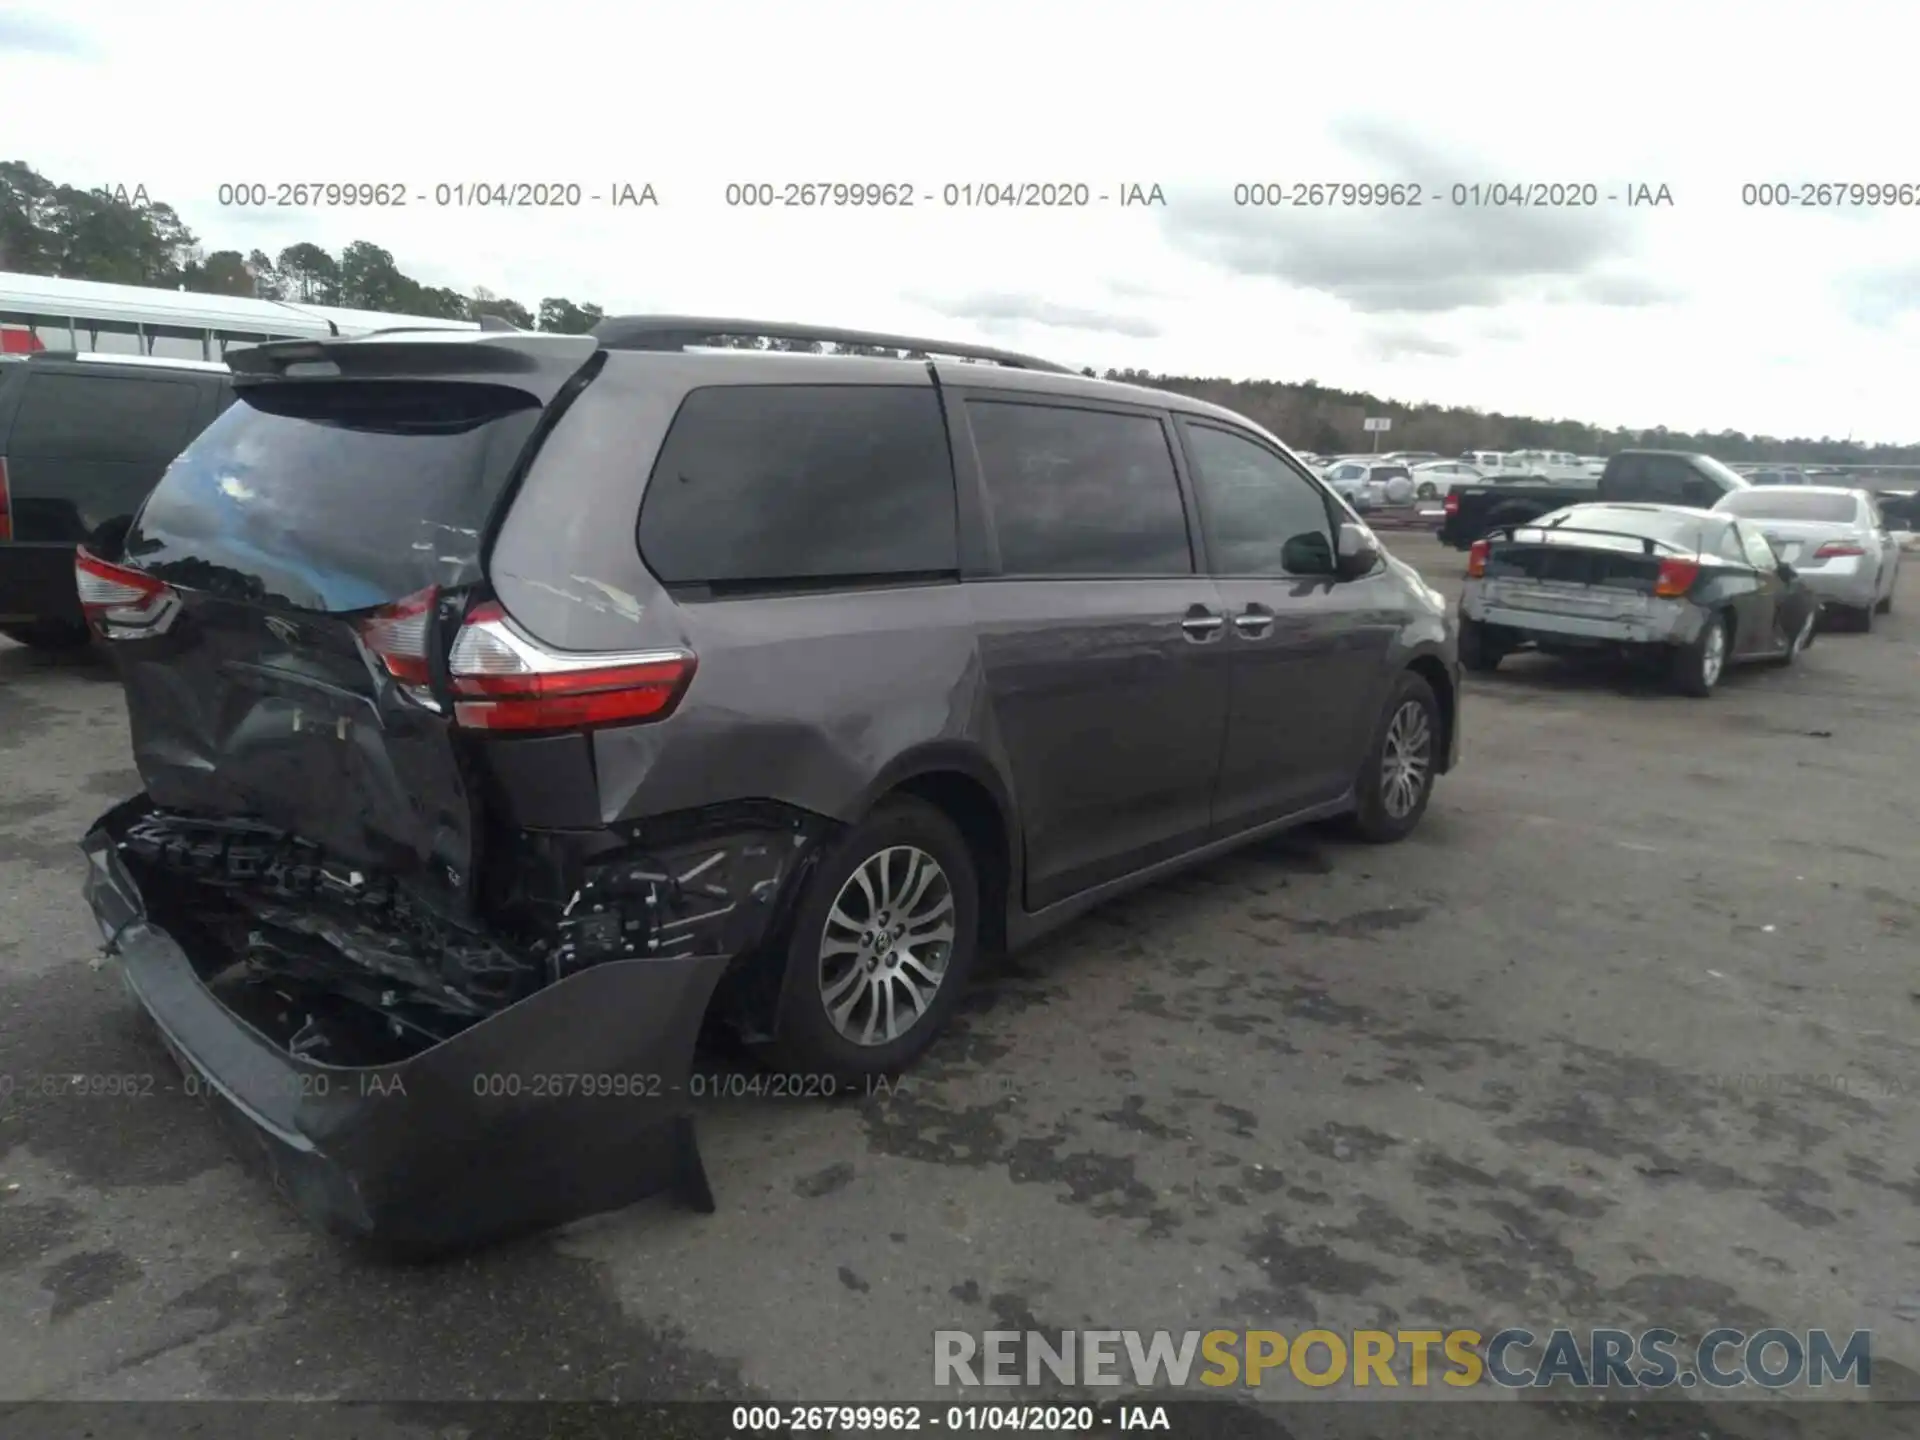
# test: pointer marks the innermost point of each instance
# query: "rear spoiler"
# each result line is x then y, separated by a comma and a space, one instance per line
1647, 542
541, 365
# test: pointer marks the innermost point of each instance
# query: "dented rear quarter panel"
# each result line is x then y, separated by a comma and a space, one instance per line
761, 720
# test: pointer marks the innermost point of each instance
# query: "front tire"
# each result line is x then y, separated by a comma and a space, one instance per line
1696, 669
1396, 778
880, 948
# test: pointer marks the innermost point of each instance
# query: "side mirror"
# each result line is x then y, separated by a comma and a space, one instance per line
1357, 551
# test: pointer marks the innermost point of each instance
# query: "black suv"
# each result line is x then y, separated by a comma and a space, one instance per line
83, 438
506, 703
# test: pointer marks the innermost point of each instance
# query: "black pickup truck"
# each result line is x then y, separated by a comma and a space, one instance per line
1647, 477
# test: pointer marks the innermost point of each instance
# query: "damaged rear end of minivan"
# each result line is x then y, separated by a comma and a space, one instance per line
369, 894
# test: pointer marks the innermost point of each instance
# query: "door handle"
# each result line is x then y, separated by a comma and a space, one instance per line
1202, 624
1254, 622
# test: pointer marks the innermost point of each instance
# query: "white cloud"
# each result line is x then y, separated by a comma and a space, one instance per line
1706, 313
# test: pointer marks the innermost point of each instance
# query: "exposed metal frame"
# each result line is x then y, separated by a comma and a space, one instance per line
679, 332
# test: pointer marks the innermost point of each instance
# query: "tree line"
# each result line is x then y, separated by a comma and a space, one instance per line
92, 234
73, 233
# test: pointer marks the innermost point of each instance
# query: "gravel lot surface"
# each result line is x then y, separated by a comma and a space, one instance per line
1625, 1035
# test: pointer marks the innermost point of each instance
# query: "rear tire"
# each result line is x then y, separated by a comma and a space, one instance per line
52, 636
1860, 621
1885, 607
905, 868
1396, 778
1696, 669
1479, 652
1426, 491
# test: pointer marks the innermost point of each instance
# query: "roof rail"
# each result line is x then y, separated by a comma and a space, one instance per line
112, 357
679, 332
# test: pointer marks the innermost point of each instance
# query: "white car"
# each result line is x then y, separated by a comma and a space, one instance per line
1354, 482
1437, 477
1837, 541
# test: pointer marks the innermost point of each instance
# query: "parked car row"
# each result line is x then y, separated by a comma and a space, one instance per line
1696, 590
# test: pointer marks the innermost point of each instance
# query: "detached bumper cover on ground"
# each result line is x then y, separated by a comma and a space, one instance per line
570, 1102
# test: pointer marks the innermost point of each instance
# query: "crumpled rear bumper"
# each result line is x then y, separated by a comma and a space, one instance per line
1649, 622
569, 1103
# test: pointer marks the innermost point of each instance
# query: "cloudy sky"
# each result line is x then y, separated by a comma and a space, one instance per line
1707, 312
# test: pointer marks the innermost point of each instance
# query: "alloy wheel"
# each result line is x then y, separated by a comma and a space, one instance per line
885, 945
1407, 759
1713, 655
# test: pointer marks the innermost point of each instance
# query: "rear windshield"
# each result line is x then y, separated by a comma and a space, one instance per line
1390, 472
1621, 525
1782, 503
336, 495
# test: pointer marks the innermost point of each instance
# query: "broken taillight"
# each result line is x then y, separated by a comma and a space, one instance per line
122, 604
1676, 578
1477, 558
396, 635
503, 679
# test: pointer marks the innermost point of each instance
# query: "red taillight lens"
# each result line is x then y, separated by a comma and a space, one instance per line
119, 602
1834, 549
505, 680
397, 636
1452, 503
6, 502
1676, 578
1477, 558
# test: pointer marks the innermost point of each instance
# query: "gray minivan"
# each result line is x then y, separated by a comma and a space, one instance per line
507, 705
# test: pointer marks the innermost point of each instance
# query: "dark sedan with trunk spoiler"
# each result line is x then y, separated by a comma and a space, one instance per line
1699, 590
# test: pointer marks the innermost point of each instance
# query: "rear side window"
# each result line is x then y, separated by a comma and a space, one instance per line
103, 417
1080, 492
336, 495
761, 484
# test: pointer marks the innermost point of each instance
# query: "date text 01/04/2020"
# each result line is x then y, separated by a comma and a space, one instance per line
699, 1085
442, 195
952, 195
1475, 195
904, 1419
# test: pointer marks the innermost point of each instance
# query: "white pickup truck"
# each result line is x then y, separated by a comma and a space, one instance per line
1552, 466
1548, 465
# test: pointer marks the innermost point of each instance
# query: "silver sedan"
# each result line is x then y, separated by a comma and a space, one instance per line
1835, 538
